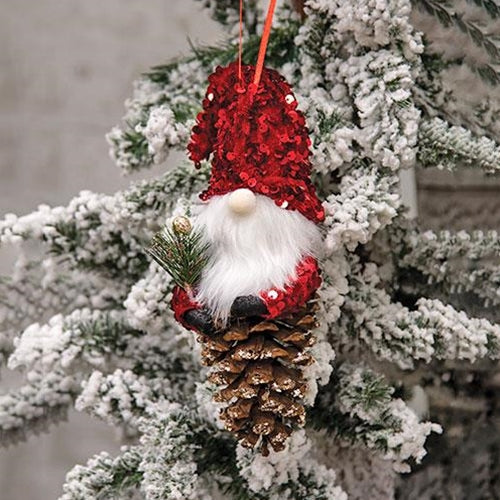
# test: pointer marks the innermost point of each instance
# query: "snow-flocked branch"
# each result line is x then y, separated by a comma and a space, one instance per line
104, 477
367, 202
445, 146
32, 408
359, 406
395, 333
456, 261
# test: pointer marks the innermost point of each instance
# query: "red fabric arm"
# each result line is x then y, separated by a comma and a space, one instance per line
181, 304
296, 293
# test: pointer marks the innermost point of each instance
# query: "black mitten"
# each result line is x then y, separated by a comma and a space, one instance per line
248, 305
201, 320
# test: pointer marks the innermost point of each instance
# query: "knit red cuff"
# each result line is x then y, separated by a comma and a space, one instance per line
280, 302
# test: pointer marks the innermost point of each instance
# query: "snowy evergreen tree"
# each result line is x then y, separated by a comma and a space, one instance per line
408, 316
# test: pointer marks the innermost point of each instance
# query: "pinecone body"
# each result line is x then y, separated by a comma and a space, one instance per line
258, 365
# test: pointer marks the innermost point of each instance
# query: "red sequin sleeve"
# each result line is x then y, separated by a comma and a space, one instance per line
296, 293
181, 304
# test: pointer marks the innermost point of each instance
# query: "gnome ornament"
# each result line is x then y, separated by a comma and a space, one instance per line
253, 306
246, 274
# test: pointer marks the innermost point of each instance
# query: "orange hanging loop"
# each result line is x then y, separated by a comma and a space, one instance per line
240, 48
263, 42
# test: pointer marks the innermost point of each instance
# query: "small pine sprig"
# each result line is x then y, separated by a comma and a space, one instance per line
181, 251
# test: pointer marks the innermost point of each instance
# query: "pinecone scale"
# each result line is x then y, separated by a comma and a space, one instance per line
258, 365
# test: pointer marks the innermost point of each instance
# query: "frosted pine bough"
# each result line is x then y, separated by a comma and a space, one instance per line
101, 336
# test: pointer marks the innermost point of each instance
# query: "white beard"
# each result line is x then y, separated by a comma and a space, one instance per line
250, 253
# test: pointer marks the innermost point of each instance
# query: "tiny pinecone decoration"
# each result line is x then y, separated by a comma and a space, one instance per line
259, 363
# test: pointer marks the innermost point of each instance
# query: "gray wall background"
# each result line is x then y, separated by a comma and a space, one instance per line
66, 68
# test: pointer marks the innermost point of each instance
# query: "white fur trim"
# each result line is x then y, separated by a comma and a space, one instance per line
250, 253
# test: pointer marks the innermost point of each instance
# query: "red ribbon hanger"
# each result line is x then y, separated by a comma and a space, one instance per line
263, 42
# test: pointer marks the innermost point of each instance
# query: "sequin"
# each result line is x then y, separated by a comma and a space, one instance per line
240, 88
256, 138
296, 293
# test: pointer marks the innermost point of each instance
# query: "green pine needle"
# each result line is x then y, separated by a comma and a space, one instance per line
183, 256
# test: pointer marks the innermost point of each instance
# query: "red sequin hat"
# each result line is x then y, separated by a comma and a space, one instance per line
258, 138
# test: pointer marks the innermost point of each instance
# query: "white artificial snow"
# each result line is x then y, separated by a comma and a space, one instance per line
365, 204
162, 132
148, 303
278, 468
272, 475
118, 398
405, 440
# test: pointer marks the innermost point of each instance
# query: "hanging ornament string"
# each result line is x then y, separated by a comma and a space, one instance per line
263, 42
240, 47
